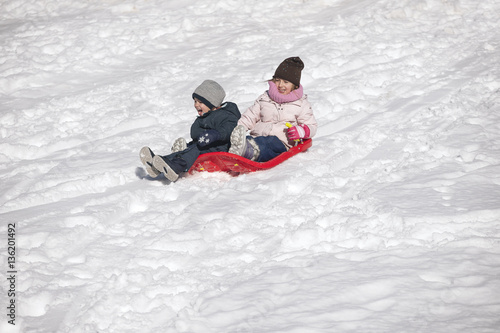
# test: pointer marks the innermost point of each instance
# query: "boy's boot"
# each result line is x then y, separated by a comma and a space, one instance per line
170, 168
179, 145
147, 156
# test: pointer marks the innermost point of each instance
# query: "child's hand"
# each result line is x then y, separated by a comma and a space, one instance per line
208, 137
298, 132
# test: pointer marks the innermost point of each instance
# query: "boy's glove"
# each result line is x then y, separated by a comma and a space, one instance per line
208, 137
298, 132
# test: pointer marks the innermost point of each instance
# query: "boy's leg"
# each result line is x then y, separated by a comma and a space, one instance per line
174, 164
188, 155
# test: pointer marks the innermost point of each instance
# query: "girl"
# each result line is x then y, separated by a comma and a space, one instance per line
210, 132
284, 102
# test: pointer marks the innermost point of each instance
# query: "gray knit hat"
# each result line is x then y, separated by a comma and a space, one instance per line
210, 93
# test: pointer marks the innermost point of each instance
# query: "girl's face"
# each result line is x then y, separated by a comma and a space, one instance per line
284, 87
200, 107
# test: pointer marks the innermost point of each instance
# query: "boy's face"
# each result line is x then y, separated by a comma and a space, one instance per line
200, 107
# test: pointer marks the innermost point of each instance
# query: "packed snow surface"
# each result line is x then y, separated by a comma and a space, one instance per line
390, 222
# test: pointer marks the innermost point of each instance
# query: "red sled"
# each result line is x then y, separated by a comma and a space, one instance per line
235, 165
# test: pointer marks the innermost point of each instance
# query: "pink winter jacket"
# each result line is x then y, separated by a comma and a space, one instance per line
266, 117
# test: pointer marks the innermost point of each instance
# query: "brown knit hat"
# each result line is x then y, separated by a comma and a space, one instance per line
290, 70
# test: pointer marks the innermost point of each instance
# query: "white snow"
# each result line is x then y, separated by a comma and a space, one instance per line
389, 223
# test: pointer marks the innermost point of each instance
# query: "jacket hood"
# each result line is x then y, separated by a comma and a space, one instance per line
232, 108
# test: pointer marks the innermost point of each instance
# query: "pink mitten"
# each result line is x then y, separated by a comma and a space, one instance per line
298, 132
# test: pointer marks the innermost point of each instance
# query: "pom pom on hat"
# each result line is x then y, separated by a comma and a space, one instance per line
290, 69
210, 93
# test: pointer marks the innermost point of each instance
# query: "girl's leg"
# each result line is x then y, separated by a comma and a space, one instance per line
270, 147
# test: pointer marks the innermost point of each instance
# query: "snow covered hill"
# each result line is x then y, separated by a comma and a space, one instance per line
389, 223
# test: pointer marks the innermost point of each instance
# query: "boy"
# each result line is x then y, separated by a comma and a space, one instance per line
210, 132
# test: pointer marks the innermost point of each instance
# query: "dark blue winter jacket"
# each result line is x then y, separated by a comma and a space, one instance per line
223, 120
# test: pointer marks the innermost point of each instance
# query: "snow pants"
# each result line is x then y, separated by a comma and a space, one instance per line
270, 147
183, 160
